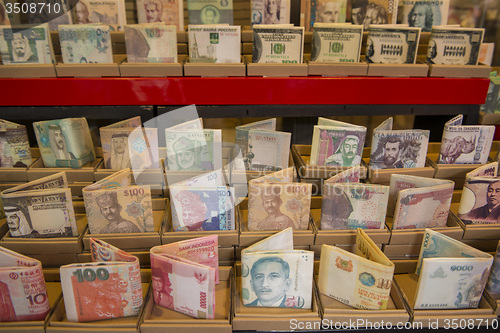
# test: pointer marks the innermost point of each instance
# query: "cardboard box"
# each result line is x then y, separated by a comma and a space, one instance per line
156, 319
276, 70
144, 257
402, 251
405, 266
83, 174
90, 70
489, 119
336, 69
17, 174
398, 70
476, 231
150, 69
214, 70
456, 71
27, 71
494, 300
238, 250
434, 318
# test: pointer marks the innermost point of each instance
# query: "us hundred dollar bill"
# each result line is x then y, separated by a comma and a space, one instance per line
214, 44
452, 275
336, 43
270, 12
322, 11
26, 44
425, 14
85, 43
170, 12
278, 44
151, 43
105, 12
210, 11
493, 284
14, 145
450, 45
392, 44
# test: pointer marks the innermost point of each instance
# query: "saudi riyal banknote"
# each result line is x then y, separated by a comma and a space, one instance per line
452, 275
398, 148
493, 284
53, 12
184, 275
151, 43
22, 287
40, 208
362, 280
425, 14
465, 144
336, 42
85, 43
114, 205
351, 175
273, 274
64, 142
270, 12
214, 43
170, 12
392, 44
210, 11
451, 45
26, 44
109, 287
353, 205
14, 145
278, 44
322, 11
105, 12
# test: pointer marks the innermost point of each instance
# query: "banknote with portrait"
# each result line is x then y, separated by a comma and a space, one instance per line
351, 175
362, 279
336, 42
465, 144
14, 145
151, 43
322, 11
115, 205
22, 286
170, 12
425, 14
54, 12
214, 43
392, 44
354, 205
210, 11
26, 44
278, 44
105, 12
452, 45
85, 43
270, 12
267, 150
40, 208
241, 132
109, 287
184, 275
493, 284
452, 275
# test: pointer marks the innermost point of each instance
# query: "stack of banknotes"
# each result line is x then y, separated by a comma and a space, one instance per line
392, 44
210, 11
278, 43
105, 12
109, 287
452, 275
452, 45
349, 204
114, 205
170, 12
214, 43
22, 287
374, 12
425, 14
398, 148
64, 142
275, 275
465, 144
362, 280
322, 11
40, 208
270, 12
336, 42
151, 43
85, 43
184, 275
26, 45
493, 284
275, 202
14, 145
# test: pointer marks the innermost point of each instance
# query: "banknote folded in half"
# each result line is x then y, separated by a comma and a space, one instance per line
493, 284
278, 43
169, 12
109, 287
275, 275
322, 11
452, 275
265, 12
375, 12
151, 43
85, 43
64, 142
454, 45
336, 42
362, 280
184, 275
419, 202
425, 14
114, 205
392, 44
106, 12
465, 144
15, 145
40, 208
22, 288
210, 11
351, 175
25, 44
214, 43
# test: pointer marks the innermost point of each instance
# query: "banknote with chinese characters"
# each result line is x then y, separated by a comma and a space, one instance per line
278, 44
170, 12
214, 43
105, 12
493, 284
336, 42
14, 145
26, 44
267, 12
392, 44
425, 14
85, 43
210, 11
451, 45
322, 11
151, 43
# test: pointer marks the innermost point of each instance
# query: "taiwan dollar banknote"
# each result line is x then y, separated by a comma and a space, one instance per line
493, 284
450, 45
85, 43
106, 12
210, 11
278, 44
322, 11
214, 43
14, 145
425, 14
170, 12
151, 43
392, 44
26, 44
336, 42
270, 12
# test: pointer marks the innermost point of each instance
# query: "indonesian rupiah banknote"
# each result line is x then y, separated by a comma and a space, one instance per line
214, 43
392, 44
322, 11
210, 11
14, 145
170, 12
85, 43
26, 44
278, 44
451, 45
336, 42
270, 12
105, 12
425, 14
493, 284
151, 43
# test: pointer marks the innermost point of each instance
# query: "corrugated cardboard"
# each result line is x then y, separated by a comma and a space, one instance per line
276, 70
18, 174
398, 70
434, 318
27, 71
214, 70
456, 71
91, 70
156, 319
404, 266
337, 69
476, 231
494, 300
83, 174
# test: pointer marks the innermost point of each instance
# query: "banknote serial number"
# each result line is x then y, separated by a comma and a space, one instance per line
33, 8
470, 323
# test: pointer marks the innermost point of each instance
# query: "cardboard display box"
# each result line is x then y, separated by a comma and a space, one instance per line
91, 70
18, 174
398, 70
456, 71
402, 251
21, 71
83, 174
156, 319
494, 300
405, 266
144, 257
434, 318
476, 231
276, 70
153, 69
336, 69
215, 69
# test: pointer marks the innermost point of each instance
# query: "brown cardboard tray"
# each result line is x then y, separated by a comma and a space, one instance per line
15, 174
150, 69
405, 266
398, 70
456, 71
83, 174
337, 68
275, 70
27, 71
494, 301
477, 231
214, 70
90, 70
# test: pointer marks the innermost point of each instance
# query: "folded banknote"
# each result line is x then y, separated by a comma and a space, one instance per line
351, 175
85, 43
214, 43
392, 44
26, 44
334, 42
105, 12
493, 284
270, 12
322, 11
454, 45
151, 43
210, 11
170, 12
15, 147
278, 43
425, 14
375, 12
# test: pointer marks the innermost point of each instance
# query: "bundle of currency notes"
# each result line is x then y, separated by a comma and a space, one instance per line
214, 43
398, 148
22, 286
105, 12
170, 12
273, 274
452, 275
14, 145
322, 11
336, 42
49, 13
480, 200
151, 43
493, 284
109, 287
362, 279
451, 45
40, 208
336, 143
23, 44
278, 43
375, 12
210, 11
425, 14
114, 205
351, 175
392, 44
64, 142
184, 275
465, 144
270, 12
85, 43
419, 202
